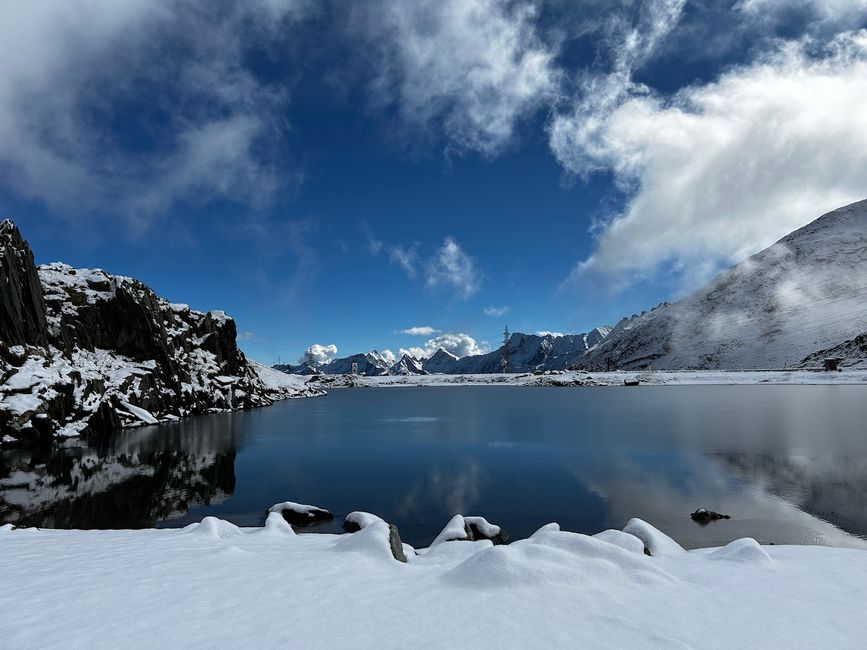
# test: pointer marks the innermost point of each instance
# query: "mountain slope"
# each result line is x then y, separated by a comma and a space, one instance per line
804, 293
86, 352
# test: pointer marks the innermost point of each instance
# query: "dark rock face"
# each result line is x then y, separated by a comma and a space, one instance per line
83, 352
22, 310
703, 516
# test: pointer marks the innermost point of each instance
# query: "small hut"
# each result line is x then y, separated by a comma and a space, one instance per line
832, 364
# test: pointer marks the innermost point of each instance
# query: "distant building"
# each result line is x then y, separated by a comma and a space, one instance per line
832, 364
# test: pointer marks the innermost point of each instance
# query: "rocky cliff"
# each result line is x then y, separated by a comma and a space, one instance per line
83, 352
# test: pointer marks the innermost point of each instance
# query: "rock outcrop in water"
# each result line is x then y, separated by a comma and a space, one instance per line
85, 352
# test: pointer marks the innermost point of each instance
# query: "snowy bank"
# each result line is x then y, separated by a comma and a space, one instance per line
566, 378
213, 584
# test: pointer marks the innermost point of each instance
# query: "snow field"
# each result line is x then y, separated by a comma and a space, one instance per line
214, 584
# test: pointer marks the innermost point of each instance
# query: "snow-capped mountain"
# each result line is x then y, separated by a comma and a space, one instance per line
530, 352
86, 352
371, 364
441, 361
407, 365
807, 292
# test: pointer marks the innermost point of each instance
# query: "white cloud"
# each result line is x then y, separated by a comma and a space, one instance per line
419, 330
472, 68
70, 71
320, 353
388, 355
246, 336
547, 333
721, 170
495, 311
457, 343
453, 268
836, 12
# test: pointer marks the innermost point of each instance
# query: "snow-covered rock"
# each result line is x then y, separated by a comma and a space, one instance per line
804, 294
300, 514
86, 352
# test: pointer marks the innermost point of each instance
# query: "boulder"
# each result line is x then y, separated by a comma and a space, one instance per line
299, 514
704, 516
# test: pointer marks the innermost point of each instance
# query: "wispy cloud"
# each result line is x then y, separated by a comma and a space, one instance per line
76, 71
452, 268
419, 330
495, 311
465, 69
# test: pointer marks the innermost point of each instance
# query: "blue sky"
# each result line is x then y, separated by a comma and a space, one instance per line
333, 174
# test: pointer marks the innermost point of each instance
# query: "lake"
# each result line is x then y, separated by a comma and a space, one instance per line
788, 463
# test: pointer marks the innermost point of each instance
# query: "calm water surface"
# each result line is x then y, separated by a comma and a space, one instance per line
788, 463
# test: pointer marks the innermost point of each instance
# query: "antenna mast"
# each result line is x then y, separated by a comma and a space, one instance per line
505, 359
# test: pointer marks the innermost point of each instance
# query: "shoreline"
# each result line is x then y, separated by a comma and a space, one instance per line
570, 378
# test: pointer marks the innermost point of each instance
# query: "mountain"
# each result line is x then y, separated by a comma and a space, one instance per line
803, 294
371, 364
440, 361
530, 352
407, 365
83, 352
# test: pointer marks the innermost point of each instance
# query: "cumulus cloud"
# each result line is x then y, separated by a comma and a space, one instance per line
468, 68
547, 333
453, 268
458, 343
419, 330
386, 354
495, 311
317, 353
720, 170
71, 72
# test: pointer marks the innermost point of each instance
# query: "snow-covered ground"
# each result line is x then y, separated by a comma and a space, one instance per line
215, 585
583, 378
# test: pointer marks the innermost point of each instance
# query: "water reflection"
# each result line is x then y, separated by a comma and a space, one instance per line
788, 463
141, 478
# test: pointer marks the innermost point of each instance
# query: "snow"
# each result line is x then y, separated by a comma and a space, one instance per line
483, 526
584, 378
454, 530
216, 584
361, 519
299, 508
142, 414
804, 294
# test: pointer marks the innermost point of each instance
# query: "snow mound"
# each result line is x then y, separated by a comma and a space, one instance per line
275, 523
547, 528
746, 550
483, 526
655, 541
554, 558
214, 527
455, 530
371, 541
362, 519
624, 540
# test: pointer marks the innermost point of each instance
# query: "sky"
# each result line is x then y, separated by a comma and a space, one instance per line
405, 175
